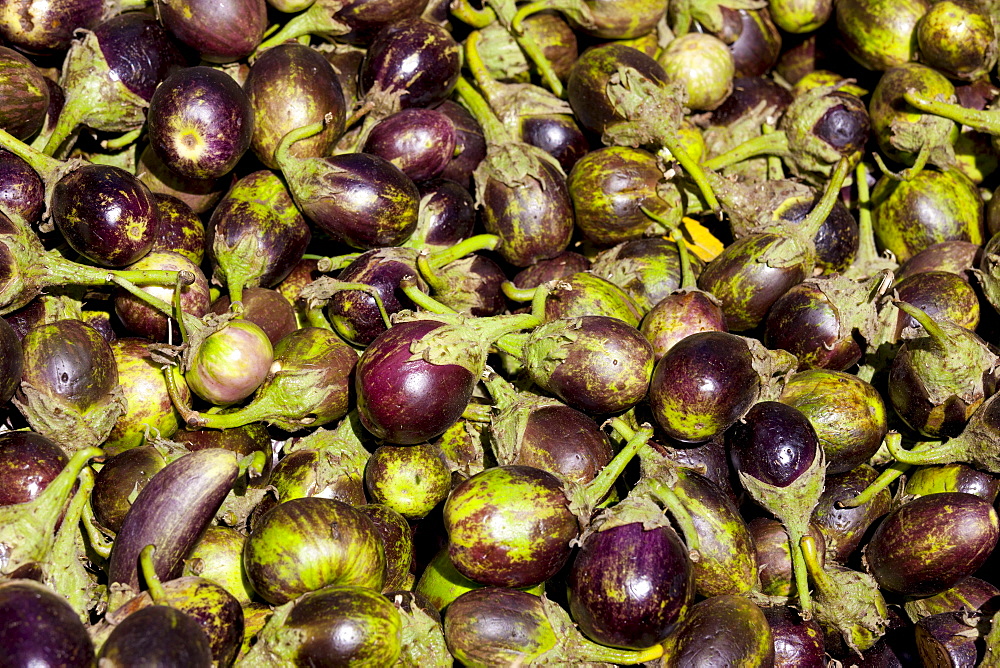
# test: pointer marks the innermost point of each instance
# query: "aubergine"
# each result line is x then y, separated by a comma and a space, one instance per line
411, 480
38, 628
161, 635
397, 539
180, 229
798, 643
200, 122
26, 96
51, 26
927, 545
171, 512
28, 463
268, 309
140, 318
842, 528
722, 630
420, 142
22, 193
291, 550
122, 473
221, 32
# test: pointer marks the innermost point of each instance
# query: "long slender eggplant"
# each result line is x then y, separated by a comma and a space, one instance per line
171, 512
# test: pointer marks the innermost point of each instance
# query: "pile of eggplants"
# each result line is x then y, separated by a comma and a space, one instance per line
492, 333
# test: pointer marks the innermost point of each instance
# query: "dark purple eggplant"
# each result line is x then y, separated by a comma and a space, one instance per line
12, 364
949, 636
28, 463
140, 318
221, 32
160, 635
358, 199
336, 625
447, 215
531, 430
647, 269
122, 473
109, 76
69, 386
941, 295
495, 625
405, 399
847, 413
602, 600
585, 294
180, 229
199, 194
844, 528
798, 643
419, 141
722, 630
50, 27
563, 265
200, 122
171, 512
958, 257
291, 549
970, 594
587, 82
472, 284
22, 192
470, 144
256, 234
411, 480
413, 59
291, 86
774, 557
22, 84
356, 21
927, 545
268, 309
594, 363
702, 385
38, 628
147, 400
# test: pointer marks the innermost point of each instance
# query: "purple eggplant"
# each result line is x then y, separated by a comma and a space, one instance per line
28, 463
22, 192
221, 32
355, 21
25, 94
38, 628
122, 473
50, 27
420, 142
200, 122
447, 215
798, 643
140, 318
161, 635
268, 309
180, 229
397, 539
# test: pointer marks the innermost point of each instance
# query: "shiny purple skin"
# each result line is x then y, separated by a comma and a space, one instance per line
563, 265
628, 587
558, 135
181, 230
804, 322
25, 94
122, 475
162, 636
941, 295
958, 257
221, 31
419, 59
564, 441
403, 400
355, 315
678, 316
774, 443
534, 221
22, 192
703, 384
28, 463
421, 142
140, 53
753, 40
200, 122
447, 213
362, 200
268, 309
105, 214
470, 144
70, 360
11, 361
367, 17
797, 643
38, 627
929, 544
46, 28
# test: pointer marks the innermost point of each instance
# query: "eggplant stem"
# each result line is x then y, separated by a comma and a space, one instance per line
421, 299
800, 570
867, 251
907, 174
466, 13
775, 168
496, 132
282, 154
814, 221
148, 571
315, 318
372, 292
463, 248
503, 393
688, 280
305, 23
774, 143
46, 166
185, 321
123, 140
99, 543
930, 325
516, 294
938, 452
482, 413
434, 281
191, 417
531, 48
66, 125
691, 167
622, 428
810, 558
981, 120
512, 344
678, 511
597, 488
326, 264
884, 479
488, 86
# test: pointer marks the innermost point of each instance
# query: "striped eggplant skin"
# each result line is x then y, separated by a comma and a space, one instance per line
46, 28
309, 543
628, 586
172, 512
725, 630
38, 627
24, 93
927, 545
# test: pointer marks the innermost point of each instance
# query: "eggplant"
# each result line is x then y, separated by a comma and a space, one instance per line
171, 512
268, 309
140, 318
411, 480
28, 463
22, 193
446, 215
843, 528
397, 539
122, 473
218, 557
797, 642
38, 628
160, 635
220, 32
722, 630
23, 85
200, 122
927, 545
51, 26
419, 141
329, 463
292, 551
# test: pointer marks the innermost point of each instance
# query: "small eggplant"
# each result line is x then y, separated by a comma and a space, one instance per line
161, 635
38, 627
221, 32
411, 480
23, 85
722, 630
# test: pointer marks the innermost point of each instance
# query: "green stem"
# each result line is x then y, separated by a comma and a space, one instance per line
774, 143
463, 248
148, 571
814, 221
482, 413
503, 393
99, 543
886, 478
691, 167
60, 271
495, 131
538, 301
775, 168
252, 412
985, 120
800, 569
326, 264
179, 311
47, 167
191, 418
516, 294
907, 174
372, 292
282, 154
512, 344
622, 428
66, 125
488, 86
930, 325
123, 140
314, 21
496, 327
597, 488
678, 511
315, 318
421, 299
434, 281
531, 48
592, 652
867, 251
809, 554
185, 321
926, 452
688, 280
466, 13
